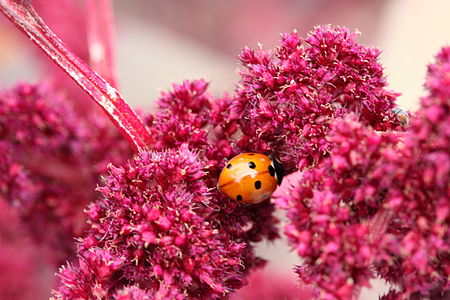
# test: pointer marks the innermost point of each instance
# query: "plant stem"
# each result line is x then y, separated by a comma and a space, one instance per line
100, 36
22, 14
379, 224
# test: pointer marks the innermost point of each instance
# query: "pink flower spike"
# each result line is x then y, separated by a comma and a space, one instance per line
22, 14
100, 35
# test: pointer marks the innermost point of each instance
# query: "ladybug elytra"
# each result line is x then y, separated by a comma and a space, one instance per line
250, 177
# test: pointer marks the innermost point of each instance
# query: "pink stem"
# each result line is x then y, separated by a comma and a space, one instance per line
22, 14
100, 35
379, 224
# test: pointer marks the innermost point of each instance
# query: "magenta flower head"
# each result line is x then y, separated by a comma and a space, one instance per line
438, 78
52, 161
35, 126
153, 229
189, 114
379, 202
287, 98
327, 209
420, 193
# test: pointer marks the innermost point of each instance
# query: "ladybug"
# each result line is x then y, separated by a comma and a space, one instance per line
250, 177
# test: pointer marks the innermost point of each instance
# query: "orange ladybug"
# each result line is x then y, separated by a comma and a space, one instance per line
250, 177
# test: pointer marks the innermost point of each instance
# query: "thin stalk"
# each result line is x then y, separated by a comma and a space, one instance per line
22, 14
100, 36
377, 228
379, 224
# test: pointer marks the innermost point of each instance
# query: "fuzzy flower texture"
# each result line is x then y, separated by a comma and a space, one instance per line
372, 199
162, 226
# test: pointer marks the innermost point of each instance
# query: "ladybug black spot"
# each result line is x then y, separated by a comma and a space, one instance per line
257, 184
239, 198
251, 154
229, 166
271, 170
251, 165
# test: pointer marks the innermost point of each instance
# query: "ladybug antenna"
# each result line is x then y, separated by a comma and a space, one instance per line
279, 169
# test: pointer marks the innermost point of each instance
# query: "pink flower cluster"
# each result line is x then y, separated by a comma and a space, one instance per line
180, 225
380, 200
153, 228
372, 199
327, 208
420, 191
287, 98
36, 126
189, 116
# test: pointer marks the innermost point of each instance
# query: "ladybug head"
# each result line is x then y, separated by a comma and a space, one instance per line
279, 170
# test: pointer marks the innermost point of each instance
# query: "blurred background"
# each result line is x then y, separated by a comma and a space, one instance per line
161, 42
